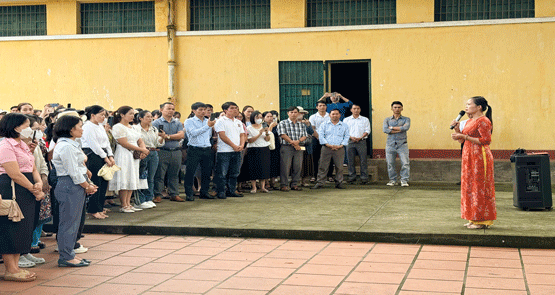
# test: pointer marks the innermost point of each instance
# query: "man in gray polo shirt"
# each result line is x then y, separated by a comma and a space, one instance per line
170, 154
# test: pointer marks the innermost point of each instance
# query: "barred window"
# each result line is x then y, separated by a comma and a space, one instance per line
350, 12
117, 17
28, 20
454, 10
208, 15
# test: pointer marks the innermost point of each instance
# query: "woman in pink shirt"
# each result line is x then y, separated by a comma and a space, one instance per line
17, 165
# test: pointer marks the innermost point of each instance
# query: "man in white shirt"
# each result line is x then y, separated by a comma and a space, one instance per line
359, 129
316, 120
231, 140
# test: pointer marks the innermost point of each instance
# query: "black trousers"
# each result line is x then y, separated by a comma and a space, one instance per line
196, 156
96, 201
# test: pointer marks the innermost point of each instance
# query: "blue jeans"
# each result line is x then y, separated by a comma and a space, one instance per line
391, 152
150, 165
228, 166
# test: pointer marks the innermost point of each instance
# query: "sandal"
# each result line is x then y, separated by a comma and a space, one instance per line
477, 226
264, 190
98, 215
21, 276
253, 191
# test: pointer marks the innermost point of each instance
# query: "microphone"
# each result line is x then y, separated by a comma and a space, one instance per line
461, 113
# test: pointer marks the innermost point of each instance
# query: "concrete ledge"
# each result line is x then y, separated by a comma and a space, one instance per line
478, 238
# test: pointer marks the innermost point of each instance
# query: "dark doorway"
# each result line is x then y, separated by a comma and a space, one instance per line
352, 80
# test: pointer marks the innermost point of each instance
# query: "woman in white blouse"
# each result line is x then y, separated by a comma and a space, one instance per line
258, 152
96, 146
129, 140
148, 166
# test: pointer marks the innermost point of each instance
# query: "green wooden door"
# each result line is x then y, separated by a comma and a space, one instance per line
301, 83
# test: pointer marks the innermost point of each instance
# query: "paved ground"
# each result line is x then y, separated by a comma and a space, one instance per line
417, 214
156, 265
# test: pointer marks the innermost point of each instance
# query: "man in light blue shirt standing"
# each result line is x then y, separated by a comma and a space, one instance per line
199, 132
333, 136
396, 128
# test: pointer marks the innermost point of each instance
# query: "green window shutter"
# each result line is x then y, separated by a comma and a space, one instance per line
322, 13
27, 20
117, 17
301, 83
209, 15
457, 10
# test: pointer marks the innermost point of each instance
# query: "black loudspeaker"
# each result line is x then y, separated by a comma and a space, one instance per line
532, 182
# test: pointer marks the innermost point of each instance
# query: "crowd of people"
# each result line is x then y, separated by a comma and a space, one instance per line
64, 163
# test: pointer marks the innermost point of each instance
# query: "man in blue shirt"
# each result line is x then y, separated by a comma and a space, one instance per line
199, 133
396, 128
170, 153
342, 107
333, 136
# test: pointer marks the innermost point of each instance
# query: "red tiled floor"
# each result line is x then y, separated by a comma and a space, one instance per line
155, 253
165, 245
375, 277
119, 289
184, 286
266, 272
352, 288
293, 254
424, 293
441, 248
260, 284
234, 292
175, 258
432, 264
322, 269
180, 239
131, 239
194, 250
279, 262
475, 291
541, 289
205, 274
80, 281
217, 242
433, 285
96, 256
222, 264
538, 259
167, 268
495, 272
456, 256
436, 274
10, 287
395, 249
495, 283
127, 261
113, 247
242, 256
140, 278
335, 260
390, 258
313, 280
540, 279
46, 290
498, 254
539, 268
304, 290
492, 262
304, 245
383, 267
538, 252
351, 245
357, 252
103, 270
253, 248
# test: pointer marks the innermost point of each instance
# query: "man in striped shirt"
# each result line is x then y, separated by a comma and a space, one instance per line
293, 134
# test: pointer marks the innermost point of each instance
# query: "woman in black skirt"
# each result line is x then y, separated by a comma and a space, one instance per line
258, 153
269, 121
17, 165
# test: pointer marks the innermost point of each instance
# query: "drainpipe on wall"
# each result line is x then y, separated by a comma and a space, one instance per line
171, 52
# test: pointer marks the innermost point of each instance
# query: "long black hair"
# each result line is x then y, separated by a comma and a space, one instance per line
93, 110
121, 112
8, 124
481, 101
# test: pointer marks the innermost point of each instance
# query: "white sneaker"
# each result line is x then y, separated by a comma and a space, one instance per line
56, 249
151, 203
136, 208
34, 259
81, 249
404, 183
126, 210
144, 205
25, 263
390, 183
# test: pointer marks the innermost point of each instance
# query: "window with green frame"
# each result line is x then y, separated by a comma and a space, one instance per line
322, 13
209, 15
455, 10
117, 17
27, 20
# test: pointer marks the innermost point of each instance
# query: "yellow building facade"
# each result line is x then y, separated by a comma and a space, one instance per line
432, 67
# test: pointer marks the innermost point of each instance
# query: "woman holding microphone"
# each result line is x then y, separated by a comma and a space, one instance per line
96, 146
477, 183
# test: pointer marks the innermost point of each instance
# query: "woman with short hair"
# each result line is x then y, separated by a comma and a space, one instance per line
73, 183
17, 168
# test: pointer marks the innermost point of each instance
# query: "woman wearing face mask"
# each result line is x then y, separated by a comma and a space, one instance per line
257, 158
96, 147
17, 165
269, 121
129, 140
148, 165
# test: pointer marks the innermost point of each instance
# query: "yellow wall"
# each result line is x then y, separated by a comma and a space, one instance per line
288, 13
431, 70
545, 8
415, 11
63, 17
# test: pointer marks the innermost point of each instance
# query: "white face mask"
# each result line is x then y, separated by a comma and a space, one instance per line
258, 121
103, 122
26, 133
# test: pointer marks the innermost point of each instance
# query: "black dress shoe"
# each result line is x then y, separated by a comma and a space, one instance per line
222, 196
234, 195
317, 186
189, 198
206, 196
42, 245
339, 186
351, 181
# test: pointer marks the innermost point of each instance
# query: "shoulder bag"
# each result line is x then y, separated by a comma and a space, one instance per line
10, 208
